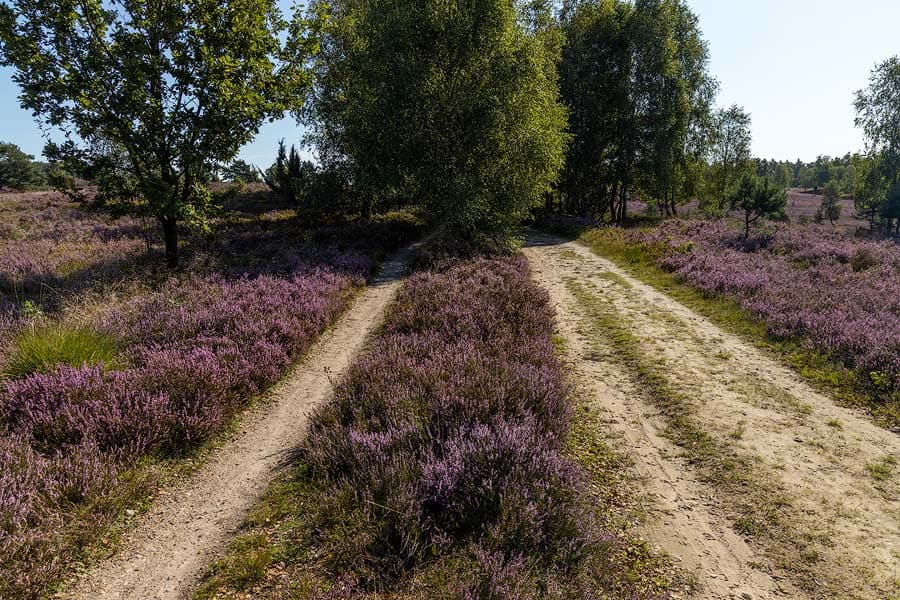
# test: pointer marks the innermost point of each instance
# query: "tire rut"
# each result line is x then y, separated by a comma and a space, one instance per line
822, 453
681, 517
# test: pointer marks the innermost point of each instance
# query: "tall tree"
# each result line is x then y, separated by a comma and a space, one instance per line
596, 84
730, 150
151, 95
451, 102
674, 92
831, 202
869, 188
878, 114
241, 171
783, 175
636, 81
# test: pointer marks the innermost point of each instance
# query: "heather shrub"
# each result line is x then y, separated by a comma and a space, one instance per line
42, 348
500, 484
837, 294
447, 440
69, 406
57, 248
497, 577
35, 491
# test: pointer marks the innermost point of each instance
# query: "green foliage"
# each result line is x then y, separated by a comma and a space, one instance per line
155, 93
247, 563
877, 114
39, 349
241, 172
758, 198
287, 174
17, 169
635, 79
831, 205
317, 191
841, 171
730, 152
31, 311
882, 469
453, 104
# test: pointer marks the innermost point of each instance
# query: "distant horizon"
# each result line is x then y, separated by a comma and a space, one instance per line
798, 88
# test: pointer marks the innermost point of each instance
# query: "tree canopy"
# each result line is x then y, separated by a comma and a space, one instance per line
152, 95
241, 171
730, 151
635, 78
878, 115
453, 104
758, 198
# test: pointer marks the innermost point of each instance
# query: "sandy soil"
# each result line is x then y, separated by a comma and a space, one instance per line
821, 453
165, 554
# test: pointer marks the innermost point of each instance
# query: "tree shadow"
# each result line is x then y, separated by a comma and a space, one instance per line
537, 239
258, 233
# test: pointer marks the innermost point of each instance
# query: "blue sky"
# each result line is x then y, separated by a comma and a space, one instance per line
793, 64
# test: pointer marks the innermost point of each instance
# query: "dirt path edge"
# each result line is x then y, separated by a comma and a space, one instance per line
164, 555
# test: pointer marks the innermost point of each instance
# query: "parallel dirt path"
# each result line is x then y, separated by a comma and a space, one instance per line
165, 554
823, 455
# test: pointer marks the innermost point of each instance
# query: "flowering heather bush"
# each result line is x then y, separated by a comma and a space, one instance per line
192, 351
197, 351
74, 406
48, 242
839, 293
447, 439
37, 492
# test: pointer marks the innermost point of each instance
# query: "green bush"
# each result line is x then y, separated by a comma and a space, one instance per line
39, 349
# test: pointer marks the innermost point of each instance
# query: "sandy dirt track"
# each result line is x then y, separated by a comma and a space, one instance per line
166, 553
819, 452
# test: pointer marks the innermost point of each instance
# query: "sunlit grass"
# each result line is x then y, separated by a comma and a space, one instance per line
40, 349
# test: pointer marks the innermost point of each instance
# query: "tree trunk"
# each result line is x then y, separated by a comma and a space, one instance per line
613, 196
170, 235
747, 225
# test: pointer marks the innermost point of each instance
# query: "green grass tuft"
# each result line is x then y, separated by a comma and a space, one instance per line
247, 563
40, 349
882, 469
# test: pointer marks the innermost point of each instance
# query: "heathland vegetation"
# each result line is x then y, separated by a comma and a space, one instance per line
109, 363
144, 305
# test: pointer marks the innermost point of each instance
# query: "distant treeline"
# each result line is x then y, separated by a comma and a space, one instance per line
20, 171
476, 112
869, 180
